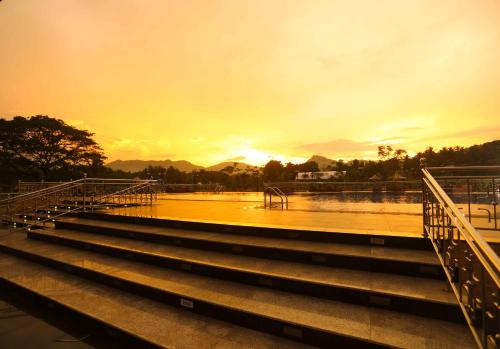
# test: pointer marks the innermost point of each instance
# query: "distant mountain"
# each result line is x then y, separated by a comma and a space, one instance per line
238, 167
322, 161
139, 165
186, 166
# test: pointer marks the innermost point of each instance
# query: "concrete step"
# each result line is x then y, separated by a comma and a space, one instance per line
129, 320
388, 239
427, 297
403, 261
312, 320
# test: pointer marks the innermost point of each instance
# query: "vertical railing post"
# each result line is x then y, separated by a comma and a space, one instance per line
468, 199
483, 308
24, 209
9, 211
424, 198
36, 208
84, 191
494, 202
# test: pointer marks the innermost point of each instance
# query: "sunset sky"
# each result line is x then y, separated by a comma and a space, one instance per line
208, 81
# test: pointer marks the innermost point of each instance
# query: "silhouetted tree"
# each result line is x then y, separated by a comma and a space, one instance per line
309, 166
154, 172
384, 152
400, 154
273, 171
42, 147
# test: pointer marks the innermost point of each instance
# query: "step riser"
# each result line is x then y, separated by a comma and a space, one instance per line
350, 295
101, 333
277, 327
280, 233
343, 261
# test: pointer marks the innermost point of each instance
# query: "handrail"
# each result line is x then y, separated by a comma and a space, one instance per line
52, 218
42, 191
301, 182
38, 194
63, 186
470, 264
278, 192
484, 180
469, 177
271, 189
138, 186
341, 186
487, 251
99, 179
282, 194
80, 190
463, 168
470, 233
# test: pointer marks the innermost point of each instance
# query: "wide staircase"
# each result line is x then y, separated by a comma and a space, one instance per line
150, 282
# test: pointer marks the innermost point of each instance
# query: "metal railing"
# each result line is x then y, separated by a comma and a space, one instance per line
87, 193
30, 203
188, 188
470, 263
7, 195
478, 193
118, 198
277, 192
332, 186
28, 187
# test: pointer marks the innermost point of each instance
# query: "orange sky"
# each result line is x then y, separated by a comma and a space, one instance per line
209, 81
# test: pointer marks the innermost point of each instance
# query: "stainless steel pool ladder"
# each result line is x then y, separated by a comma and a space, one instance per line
279, 193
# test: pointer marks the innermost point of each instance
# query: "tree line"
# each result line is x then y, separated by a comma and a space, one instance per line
392, 164
44, 148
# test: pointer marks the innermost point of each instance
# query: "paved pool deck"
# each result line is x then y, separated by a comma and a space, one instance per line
251, 213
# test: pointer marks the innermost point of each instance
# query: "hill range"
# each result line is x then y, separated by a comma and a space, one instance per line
186, 166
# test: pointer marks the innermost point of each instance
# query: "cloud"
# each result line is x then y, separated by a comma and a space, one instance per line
485, 131
464, 137
337, 146
164, 155
392, 140
130, 149
412, 129
237, 158
386, 48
